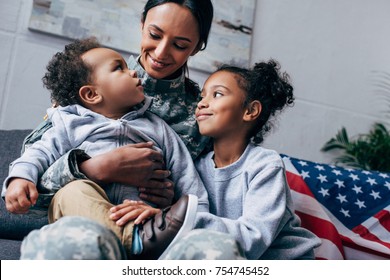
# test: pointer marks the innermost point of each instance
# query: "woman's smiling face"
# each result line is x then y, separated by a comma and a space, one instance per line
169, 37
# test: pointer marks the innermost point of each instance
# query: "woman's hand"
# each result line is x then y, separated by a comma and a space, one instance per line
136, 165
160, 196
130, 210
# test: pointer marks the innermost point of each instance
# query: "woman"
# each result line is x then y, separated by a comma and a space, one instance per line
172, 31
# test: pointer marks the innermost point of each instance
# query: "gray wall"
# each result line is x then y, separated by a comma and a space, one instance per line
330, 48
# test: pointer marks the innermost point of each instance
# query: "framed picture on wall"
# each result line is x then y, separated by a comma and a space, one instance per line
117, 23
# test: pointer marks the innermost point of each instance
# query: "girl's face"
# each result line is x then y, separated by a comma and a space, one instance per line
119, 87
169, 36
220, 111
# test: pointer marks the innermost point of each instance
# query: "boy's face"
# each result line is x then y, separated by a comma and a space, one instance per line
220, 111
118, 86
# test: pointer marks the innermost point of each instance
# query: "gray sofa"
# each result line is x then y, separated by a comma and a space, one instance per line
13, 227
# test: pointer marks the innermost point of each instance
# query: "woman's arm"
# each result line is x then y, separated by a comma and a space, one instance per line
140, 160
134, 164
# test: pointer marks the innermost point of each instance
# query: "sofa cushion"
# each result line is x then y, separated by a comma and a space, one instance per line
10, 146
15, 226
10, 249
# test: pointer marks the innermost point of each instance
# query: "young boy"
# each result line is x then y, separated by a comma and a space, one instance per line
101, 105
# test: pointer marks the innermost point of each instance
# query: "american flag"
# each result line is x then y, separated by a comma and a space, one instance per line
348, 209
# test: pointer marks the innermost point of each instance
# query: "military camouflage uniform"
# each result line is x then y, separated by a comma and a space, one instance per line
72, 238
79, 238
204, 244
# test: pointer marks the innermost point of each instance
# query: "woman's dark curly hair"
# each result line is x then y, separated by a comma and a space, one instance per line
67, 73
265, 83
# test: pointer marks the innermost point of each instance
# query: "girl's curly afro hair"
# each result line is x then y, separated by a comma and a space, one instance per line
266, 83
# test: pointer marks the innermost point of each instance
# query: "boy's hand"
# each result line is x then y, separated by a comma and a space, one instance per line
132, 210
20, 196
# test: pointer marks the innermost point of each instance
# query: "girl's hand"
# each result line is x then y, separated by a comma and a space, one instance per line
132, 210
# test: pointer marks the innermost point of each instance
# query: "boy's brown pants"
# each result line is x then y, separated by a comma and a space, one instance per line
87, 199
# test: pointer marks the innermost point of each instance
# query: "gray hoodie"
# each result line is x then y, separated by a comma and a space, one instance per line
251, 200
75, 126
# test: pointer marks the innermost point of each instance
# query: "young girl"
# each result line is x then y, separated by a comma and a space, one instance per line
246, 183
248, 193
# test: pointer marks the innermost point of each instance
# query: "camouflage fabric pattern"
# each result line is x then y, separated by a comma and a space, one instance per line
36, 134
62, 172
203, 244
79, 238
174, 105
72, 238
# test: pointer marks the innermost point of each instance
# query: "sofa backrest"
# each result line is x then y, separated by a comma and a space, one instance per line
10, 146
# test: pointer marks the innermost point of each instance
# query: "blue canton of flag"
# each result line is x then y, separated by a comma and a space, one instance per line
351, 195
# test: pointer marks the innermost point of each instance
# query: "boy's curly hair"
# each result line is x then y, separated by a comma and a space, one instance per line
67, 73
265, 83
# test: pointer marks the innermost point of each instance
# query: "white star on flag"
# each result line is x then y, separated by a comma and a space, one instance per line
322, 178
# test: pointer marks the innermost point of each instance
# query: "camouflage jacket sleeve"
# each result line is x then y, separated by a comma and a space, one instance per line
62, 172
36, 134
